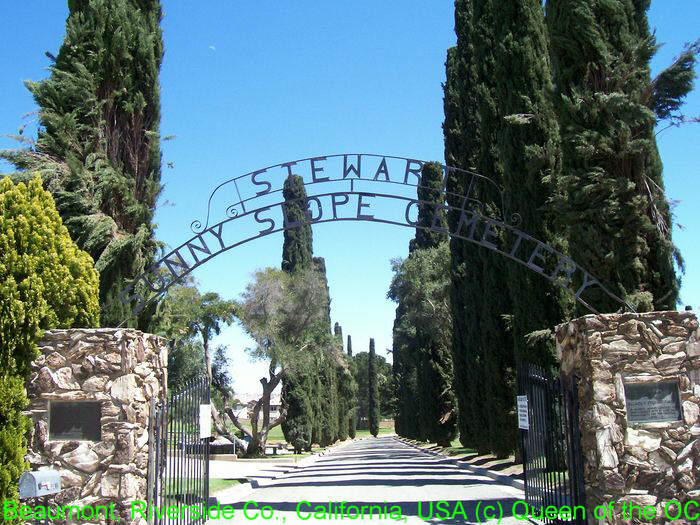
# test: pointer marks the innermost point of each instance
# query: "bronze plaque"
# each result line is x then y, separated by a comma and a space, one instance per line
75, 421
653, 402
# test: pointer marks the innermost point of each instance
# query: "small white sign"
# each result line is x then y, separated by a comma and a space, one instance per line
204, 421
523, 421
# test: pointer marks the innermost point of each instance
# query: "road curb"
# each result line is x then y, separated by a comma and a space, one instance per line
505, 480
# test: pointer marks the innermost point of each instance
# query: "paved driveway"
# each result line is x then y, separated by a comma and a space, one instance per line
383, 473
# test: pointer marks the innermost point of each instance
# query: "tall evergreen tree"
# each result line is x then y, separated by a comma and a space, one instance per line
473, 294
419, 350
529, 151
98, 148
476, 138
338, 332
373, 392
462, 132
402, 368
612, 200
353, 401
299, 387
297, 249
328, 386
495, 306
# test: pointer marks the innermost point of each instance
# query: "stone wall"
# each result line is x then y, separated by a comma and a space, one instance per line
123, 369
642, 463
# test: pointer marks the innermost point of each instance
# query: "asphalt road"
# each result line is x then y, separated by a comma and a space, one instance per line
403, 485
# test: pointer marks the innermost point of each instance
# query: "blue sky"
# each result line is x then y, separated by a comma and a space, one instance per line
250, 84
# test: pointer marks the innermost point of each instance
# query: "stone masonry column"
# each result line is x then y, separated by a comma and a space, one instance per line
114, 374
639, 397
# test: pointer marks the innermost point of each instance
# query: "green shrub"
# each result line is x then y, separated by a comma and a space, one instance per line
45, 282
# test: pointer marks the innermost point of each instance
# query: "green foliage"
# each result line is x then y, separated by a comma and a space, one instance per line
463, 145
284, 313
45, 282
404, 370
421, 285
431, 213
387, 397
298, 422
422, 355
98, 148
347, 395
531, 157
482, 347
372, 392
297, 250
189, 319
221, 378
185, 363
14, 428
612, 200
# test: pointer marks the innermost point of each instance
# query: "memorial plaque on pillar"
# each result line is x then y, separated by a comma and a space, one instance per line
75, 421
653, 402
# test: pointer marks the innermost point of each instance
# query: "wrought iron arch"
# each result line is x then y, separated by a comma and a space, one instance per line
497, 231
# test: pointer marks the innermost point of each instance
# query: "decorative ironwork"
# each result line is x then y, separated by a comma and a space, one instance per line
350, 170
551, 446
179, 462
495, 231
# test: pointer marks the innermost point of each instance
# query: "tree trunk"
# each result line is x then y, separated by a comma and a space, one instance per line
207, 357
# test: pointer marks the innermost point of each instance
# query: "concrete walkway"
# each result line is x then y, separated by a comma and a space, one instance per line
380, 472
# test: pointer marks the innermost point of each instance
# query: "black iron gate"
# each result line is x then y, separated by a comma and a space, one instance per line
551, 448
178, 455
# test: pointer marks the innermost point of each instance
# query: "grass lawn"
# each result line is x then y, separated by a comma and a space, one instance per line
275, 435
385, 428
185, 485
217, 485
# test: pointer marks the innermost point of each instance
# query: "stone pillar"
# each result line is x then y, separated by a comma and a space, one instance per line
645, 463
123, 369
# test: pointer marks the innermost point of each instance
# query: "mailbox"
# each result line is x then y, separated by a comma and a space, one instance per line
39, 483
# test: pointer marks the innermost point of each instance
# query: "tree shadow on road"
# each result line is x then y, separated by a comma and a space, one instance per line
450, 511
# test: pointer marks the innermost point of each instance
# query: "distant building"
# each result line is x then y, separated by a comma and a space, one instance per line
247, 400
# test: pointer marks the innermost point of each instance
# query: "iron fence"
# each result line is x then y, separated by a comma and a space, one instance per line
551, 449
178, 456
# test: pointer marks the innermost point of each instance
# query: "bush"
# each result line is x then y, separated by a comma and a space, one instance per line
13, 431
45, 282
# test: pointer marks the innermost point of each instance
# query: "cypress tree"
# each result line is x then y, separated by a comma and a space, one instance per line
529, 150
352, 402
399, 368
480, 306
417, 348
373, 392
483, 310
612, 200
462, 132
299, 387
98, 148
495, 305
298, 422
439, 404
328, 386
297, 249
338, 332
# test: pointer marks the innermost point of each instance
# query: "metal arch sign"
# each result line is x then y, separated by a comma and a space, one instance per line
258, 203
